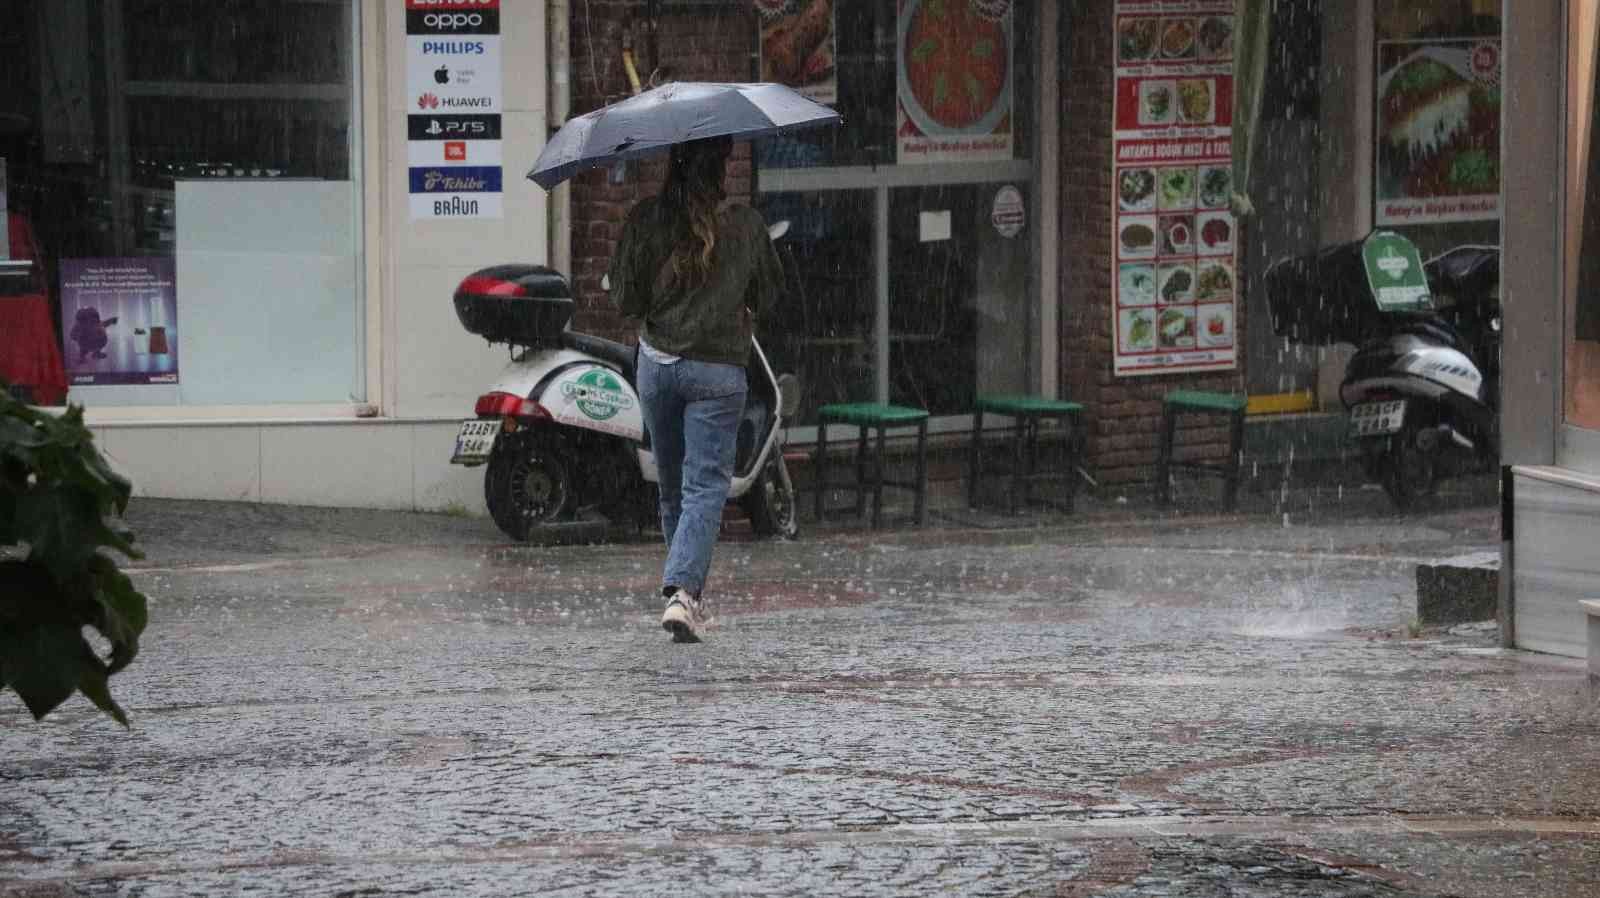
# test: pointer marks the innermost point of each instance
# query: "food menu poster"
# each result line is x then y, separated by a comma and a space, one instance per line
454, 96
798, 44
954, 62
1438, 131
119, 320
1175, 267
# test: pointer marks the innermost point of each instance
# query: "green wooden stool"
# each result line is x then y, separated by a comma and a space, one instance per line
1194, 402
1026, 412
868, 417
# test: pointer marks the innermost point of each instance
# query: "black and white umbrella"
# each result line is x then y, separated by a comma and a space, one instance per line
655, 120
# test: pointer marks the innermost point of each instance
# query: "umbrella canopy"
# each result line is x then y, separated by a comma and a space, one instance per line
671, 114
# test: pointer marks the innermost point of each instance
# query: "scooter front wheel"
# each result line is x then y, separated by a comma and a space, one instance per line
528, 483
771, 503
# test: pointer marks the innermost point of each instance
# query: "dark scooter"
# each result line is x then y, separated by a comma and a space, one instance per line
1423, 389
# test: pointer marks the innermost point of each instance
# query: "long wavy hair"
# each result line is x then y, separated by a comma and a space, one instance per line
691, 198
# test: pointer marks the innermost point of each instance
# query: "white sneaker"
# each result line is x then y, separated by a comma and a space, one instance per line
682, 617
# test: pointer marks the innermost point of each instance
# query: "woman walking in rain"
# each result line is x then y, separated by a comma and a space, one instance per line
697, 273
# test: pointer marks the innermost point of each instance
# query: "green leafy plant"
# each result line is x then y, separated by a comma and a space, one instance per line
60, 509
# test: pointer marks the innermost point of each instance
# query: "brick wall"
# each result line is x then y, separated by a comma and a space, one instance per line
696, 43
1124, 413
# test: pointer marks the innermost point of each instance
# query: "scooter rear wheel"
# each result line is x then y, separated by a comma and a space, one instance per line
528, 483
1410, 472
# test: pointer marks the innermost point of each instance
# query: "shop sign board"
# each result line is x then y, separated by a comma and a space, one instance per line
954, 65
454, 95
119, 320
1174, 269
1438, 131
798, 44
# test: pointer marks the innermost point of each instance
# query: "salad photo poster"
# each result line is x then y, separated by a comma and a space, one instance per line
1438, 130
1175, 267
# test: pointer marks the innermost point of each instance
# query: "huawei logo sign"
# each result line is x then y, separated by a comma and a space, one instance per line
427, 101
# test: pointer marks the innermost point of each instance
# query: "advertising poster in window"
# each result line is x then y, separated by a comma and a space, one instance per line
954, 81
1438, 131
798, 46
119, 320
1175, 267
453, 80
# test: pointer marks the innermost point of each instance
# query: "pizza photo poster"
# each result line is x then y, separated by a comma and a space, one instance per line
1175, 271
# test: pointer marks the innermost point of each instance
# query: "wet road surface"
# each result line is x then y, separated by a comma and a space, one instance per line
360, 703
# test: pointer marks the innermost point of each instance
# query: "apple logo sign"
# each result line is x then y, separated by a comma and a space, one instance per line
442, 75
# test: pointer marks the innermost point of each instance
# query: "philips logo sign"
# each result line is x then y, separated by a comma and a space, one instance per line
453, 48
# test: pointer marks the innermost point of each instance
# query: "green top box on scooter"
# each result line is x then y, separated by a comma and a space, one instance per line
1348, 292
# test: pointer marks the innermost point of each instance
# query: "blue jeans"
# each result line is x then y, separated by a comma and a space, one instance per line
692, 410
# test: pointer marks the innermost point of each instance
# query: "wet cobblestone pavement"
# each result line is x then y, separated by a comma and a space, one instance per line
355, 703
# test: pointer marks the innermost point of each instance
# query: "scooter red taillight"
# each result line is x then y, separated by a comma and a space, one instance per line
508, 405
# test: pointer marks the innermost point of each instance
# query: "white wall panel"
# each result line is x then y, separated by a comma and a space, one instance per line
1557, 533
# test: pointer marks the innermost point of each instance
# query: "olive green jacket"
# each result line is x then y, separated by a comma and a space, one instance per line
713, 323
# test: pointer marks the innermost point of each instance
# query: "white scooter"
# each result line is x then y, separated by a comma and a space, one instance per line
562, 431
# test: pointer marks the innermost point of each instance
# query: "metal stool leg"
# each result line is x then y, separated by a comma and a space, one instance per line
1073, 424
877, 480
1230, 496
921, 509
861, 471
819, 464
975, 459
1169, 424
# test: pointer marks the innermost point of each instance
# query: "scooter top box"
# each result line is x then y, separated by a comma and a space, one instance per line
525, 305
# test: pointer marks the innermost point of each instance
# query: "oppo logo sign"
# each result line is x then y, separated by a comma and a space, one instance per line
452, 20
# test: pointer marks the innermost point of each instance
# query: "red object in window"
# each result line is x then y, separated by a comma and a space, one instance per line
29, 353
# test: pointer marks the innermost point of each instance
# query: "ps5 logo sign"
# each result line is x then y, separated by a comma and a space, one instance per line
454, 127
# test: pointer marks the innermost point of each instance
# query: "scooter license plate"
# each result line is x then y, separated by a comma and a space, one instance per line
474, 441
1377, 418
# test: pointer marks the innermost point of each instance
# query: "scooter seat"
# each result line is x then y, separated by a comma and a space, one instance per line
611, 352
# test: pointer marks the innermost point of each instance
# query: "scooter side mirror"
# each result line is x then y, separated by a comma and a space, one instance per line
777, 229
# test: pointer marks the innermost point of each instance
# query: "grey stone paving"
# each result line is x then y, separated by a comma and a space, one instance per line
1115, 704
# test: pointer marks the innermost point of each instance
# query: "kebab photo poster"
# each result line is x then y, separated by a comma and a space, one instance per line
798, 45
1174, 264
1438, 131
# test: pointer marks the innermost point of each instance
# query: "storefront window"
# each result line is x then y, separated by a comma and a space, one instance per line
182, 199
824, 332
1582, 313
